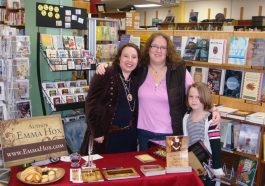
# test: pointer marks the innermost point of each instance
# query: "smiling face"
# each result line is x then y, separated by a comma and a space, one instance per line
194, 99
158, 51
128, 60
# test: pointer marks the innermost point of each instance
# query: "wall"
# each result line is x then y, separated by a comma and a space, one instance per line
251, 8
151, 13
31, 30
181, 12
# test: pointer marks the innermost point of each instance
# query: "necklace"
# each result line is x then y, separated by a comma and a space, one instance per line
158, 75
128, 93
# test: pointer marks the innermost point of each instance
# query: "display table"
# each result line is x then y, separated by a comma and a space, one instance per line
121, 160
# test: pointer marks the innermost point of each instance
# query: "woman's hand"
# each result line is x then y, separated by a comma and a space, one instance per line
101, 69
99, 139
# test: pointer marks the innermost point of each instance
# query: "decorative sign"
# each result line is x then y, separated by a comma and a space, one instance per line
32, 139
57, 16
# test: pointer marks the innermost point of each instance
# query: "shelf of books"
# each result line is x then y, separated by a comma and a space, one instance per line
232, 65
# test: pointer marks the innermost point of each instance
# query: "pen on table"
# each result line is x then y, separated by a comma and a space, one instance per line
112, 168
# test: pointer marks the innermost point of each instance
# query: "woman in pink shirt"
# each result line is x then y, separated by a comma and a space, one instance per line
163, 81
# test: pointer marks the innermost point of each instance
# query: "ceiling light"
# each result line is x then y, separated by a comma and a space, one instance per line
147, 5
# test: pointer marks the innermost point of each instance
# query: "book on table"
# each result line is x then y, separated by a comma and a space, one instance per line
122, 173
79, 175
152, 170
145, 158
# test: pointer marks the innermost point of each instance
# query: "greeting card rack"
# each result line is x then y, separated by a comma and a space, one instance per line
14, 70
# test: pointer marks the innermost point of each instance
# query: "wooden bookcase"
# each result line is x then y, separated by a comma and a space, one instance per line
230, 158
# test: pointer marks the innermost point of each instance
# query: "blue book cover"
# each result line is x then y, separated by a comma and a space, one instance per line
233, 83
238, 50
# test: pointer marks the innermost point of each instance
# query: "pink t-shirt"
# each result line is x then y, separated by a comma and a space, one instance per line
154, 107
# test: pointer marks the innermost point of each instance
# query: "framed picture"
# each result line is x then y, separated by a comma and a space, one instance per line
101, 8
169, 19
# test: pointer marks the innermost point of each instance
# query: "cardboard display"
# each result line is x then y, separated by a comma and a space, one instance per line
32, 139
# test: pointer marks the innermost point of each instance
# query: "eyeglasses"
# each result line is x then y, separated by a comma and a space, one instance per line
156, 47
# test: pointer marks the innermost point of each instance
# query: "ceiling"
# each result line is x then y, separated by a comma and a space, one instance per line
114, 4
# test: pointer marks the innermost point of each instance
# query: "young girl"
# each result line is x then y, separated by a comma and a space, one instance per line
196, 125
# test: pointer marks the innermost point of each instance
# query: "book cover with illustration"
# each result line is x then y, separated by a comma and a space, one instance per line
199, 74
251, 86
238, 50
233, 83
217, 51
246, 171
255, 54
215, 80
177, 40
202, 50
177, 157
200, 158
248, 141
190, 48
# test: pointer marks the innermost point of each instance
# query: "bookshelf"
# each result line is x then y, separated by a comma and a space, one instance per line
230, 158
190, 26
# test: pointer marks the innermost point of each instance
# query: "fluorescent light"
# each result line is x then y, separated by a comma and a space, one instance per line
147, 5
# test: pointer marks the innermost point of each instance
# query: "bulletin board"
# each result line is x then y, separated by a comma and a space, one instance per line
57, 16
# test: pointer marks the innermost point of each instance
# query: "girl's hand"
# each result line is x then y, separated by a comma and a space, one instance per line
99, 139
216, 120
101, 69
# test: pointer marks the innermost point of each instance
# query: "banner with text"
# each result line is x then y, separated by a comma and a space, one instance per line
32, 139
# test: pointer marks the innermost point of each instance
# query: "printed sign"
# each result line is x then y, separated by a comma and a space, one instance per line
32, 139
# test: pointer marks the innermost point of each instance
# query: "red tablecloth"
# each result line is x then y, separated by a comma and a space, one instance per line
122, 160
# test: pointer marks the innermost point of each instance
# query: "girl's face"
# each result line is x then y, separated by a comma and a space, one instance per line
194, 100
158, 51
128, 59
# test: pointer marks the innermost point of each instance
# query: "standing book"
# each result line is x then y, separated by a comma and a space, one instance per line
251, 86
190, 48
248, 141
202, 50
215, 80
256, 55
246, 171
233, 83
177, 156
238, 50
217, 50
199, 74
